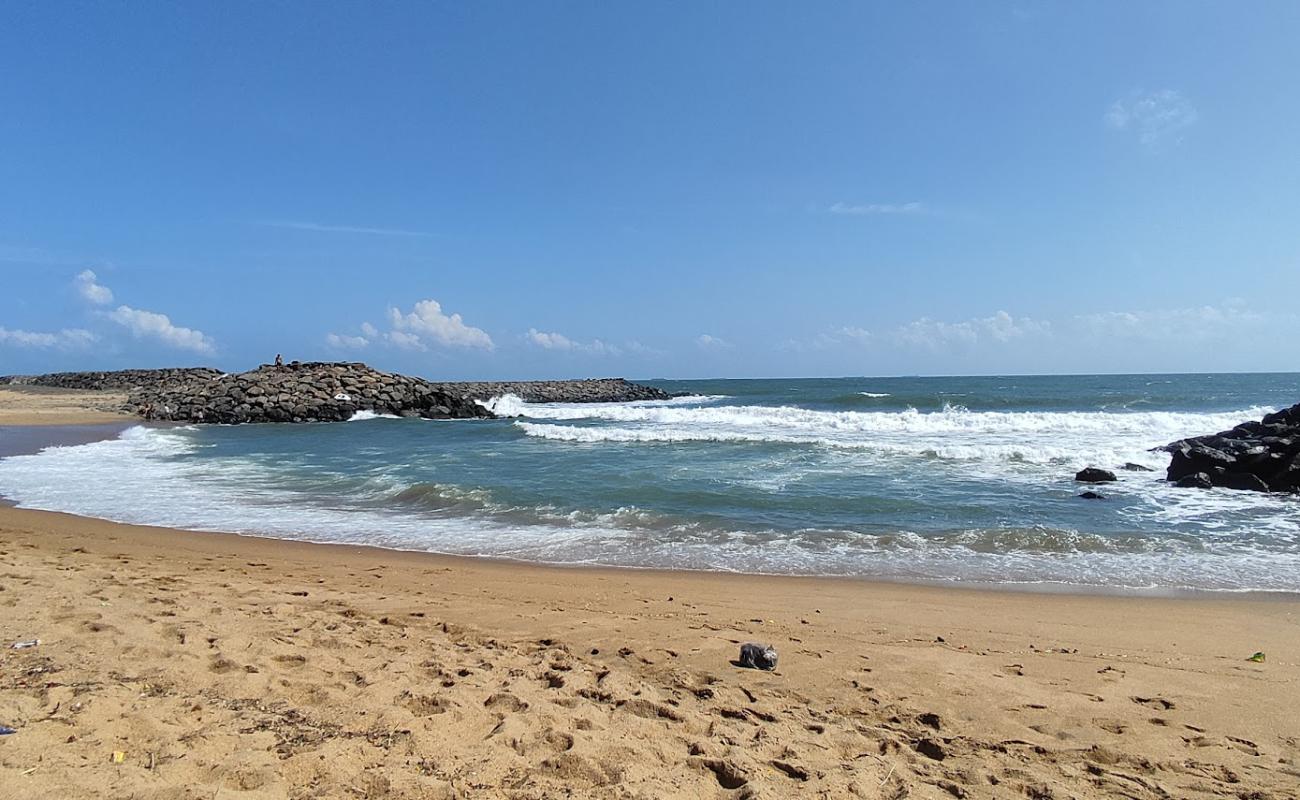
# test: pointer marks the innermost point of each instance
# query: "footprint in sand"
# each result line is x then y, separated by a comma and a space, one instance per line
423, 705
1244, 745
728, 775
553, 680
1158, 703
650, 710
504, 701
221, 665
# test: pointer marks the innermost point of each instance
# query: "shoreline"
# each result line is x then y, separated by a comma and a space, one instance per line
1049, 589
68, 429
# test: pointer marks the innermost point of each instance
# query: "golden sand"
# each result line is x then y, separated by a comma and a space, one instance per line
37, 405
226, 666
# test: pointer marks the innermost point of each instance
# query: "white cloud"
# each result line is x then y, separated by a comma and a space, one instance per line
142, 324
549, 341
877, 208
638, 349
312, 226
152, 325
861, 335
428, 322
999, 328
1196, 324
369, 330
91, 291
1155, 117
707, 341
560, 342
406, 341
66, 339
345, 342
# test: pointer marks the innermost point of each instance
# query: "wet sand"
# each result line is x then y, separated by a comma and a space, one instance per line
175, 664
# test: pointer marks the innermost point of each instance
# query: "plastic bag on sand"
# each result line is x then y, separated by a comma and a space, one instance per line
757, 656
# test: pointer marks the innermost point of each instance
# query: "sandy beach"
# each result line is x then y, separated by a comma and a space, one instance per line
179, 664
42, 405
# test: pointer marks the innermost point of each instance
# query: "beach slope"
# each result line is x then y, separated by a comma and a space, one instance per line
176, 664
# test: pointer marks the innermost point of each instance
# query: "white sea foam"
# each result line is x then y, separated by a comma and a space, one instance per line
875, 394
366, 414
509, 405
1036, 437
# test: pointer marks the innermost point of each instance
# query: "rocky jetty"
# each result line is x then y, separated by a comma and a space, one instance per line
1261, 456
321, 392
125, 379
298, 392
595, 390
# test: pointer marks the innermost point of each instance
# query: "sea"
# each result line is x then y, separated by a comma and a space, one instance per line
954, 480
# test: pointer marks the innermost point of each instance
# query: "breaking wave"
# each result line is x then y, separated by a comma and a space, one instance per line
954, 433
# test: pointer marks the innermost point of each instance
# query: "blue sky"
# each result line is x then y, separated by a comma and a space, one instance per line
556, 189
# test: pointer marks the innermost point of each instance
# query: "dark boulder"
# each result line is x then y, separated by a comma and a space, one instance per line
1192, 456
1197, 480
1094, 475
1092, 496
1241, 480
1129, 466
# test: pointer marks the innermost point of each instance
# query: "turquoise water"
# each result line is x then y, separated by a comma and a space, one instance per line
948, 479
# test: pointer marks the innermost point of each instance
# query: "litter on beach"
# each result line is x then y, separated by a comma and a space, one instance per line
25, 644
5, 730
758, 656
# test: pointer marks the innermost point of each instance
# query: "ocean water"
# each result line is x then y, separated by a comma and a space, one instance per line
929, 479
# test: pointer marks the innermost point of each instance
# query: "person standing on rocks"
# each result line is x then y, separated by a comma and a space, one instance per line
279, 360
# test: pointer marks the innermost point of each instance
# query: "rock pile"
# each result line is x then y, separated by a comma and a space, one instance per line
112, 381
1260, 456
298, 392
321, 392
595, 390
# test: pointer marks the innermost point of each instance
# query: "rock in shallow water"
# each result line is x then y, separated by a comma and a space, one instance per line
1094, 475
1260, 456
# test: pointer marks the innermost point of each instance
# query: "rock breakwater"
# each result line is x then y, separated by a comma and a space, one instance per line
321, 392
124, 379
592, 390
299, 392
1262, 456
